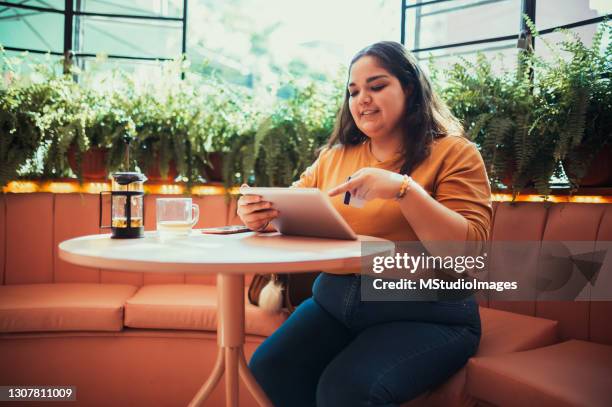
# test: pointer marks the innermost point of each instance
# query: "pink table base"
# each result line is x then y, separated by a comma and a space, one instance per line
230, 339
264, 253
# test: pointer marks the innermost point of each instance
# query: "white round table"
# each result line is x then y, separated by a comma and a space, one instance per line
230, 257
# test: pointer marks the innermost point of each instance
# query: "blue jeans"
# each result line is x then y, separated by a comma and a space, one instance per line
336, 350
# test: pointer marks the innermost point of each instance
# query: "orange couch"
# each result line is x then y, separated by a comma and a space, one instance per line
149, 338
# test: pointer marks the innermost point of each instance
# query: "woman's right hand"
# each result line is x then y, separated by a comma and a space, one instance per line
254, 212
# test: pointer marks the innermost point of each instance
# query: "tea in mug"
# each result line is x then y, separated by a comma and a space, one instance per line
174, 227
176, 216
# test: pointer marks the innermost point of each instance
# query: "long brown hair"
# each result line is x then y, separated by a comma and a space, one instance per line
426, 118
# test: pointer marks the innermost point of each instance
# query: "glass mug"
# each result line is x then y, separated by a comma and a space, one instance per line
176, 216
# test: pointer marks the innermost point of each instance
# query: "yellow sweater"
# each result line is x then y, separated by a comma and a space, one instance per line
453, 174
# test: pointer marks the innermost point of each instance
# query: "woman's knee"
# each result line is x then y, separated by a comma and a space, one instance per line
337, 393
269, 361
306, 341
339, 387
262, 363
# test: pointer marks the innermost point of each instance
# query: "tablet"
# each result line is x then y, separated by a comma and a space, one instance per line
304, 212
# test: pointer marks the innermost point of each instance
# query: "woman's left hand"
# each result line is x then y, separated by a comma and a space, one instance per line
371, 183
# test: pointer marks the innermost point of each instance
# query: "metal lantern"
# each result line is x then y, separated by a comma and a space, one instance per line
127, 205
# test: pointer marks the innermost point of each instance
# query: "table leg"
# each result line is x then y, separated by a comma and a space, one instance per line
231, 377
230, 340
212, 381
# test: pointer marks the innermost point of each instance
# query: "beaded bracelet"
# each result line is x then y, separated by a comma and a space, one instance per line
404, 188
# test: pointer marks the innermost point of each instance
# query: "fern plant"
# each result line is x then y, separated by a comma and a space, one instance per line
582, 87
528, 121
20, 136
287, 140
496, 111
31, 107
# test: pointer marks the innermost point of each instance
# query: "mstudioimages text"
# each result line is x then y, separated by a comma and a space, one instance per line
439, 284
412, 263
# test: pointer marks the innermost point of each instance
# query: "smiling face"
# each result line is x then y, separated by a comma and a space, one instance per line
377, 101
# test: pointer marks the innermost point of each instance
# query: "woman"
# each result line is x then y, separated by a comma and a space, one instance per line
422, 180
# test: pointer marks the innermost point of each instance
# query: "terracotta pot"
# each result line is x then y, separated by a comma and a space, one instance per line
154, 174
93, 162
599, 173
214, 171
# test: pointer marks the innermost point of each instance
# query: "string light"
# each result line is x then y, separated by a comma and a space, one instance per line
208, 190
67, 187
553, 198
21, 187
61, 187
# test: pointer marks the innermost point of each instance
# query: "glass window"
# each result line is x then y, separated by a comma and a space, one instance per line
549, 13
460, 21
585, 33
131, 37
502, 55
56, 4
157, 8
100, 67
263, 46
22, 63
21, 28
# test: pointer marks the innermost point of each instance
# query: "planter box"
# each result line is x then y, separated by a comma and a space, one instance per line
93, 163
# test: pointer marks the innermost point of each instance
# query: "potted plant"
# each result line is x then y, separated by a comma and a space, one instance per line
101, 130
229, 121
583, 85
170, 139
32, 103
153, 148
527, 121
498, 111
287, 140
21, 136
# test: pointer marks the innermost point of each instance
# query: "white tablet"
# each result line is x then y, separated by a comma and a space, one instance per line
304, 212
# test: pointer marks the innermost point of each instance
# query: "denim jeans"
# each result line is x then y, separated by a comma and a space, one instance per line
336, 350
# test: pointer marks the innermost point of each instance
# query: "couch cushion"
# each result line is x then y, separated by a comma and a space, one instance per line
572, 373
502, 332
63, 307
505, 332
190, 306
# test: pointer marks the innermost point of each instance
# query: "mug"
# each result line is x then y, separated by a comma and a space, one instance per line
176, 216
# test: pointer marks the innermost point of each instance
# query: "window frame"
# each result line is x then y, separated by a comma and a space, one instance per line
72, 36
523, 35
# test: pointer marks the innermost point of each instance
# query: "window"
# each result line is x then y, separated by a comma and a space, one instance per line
262, 47
139, 30
433, 28
33, 28
129, 37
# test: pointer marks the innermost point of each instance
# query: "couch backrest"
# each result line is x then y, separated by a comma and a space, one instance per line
2, 238
32, 225
525, 221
